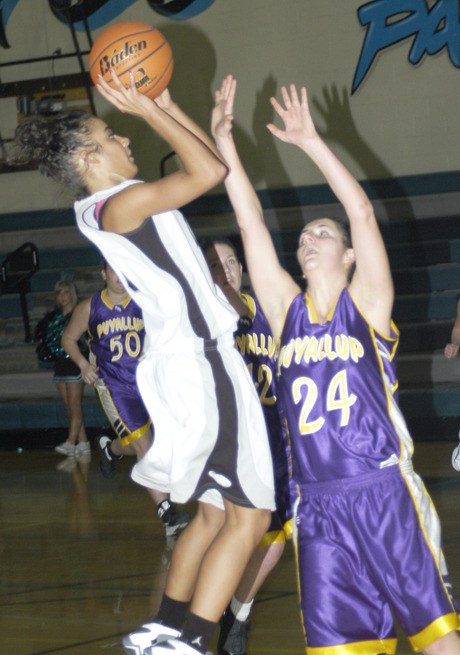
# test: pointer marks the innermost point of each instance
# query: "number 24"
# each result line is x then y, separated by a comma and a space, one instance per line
337, 399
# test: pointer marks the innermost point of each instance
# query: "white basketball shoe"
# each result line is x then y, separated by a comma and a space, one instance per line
173, 647
148, 635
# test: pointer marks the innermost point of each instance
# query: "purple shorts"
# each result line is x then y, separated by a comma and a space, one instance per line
369, 548
125, 410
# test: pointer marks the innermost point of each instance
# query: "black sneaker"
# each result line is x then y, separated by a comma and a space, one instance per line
173, 520
177, 522
233, 637
106, 458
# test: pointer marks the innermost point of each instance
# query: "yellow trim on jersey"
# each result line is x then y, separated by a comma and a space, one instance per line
388, 396
396, 418
428, 521
277, 536
110, 304
288, 529
137, 434
272, 537
312, 310
297, 572
434, 631
396, 339
278, 340
386, 646
249, 300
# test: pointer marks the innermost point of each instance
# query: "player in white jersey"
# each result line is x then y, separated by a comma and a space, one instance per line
367, 536
210, 440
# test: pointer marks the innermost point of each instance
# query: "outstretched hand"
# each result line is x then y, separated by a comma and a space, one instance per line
127, 99
222, 113
298, 124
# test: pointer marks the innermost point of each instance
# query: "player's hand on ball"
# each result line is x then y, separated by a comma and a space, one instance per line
164, 101
127, 99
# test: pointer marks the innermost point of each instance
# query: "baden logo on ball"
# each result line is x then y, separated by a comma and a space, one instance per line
135, 47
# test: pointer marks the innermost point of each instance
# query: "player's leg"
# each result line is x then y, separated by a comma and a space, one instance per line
214, 416
263, 560
235, 623
73, 398
206, 566
77, 430
449, 644
221, 569
66, 447
185, 563
83, 447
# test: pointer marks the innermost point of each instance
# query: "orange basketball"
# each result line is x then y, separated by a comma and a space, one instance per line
137, 47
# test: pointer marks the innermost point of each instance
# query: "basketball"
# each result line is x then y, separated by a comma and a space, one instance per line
134, 47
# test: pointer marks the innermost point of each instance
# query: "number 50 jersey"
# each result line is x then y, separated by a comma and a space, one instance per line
116, 338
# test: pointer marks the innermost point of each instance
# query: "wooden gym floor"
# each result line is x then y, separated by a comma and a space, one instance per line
83, 559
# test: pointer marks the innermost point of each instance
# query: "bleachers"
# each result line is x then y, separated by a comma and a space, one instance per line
425, 259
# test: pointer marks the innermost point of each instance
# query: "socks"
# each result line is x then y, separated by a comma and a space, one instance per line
198, 632
240, 610
165, 509
171, 612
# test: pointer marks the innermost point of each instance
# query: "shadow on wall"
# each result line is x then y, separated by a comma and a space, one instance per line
340, 127
333, 117
190, 46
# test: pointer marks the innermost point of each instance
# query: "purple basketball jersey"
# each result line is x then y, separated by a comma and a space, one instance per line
254, 341
116, 338
337, 381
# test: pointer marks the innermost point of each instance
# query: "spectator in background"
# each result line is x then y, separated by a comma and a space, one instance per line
67, 375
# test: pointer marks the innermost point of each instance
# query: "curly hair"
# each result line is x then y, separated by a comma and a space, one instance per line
53, 144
